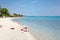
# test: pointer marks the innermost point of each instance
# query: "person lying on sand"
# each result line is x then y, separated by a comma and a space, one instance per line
25, 29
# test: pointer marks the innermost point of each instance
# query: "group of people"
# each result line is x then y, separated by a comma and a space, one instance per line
24, 29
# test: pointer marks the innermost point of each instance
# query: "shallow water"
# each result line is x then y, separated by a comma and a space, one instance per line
43, 27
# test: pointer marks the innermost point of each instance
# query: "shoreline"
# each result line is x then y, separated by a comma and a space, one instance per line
15, 34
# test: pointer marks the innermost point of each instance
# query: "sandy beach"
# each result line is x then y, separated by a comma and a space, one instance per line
7, 34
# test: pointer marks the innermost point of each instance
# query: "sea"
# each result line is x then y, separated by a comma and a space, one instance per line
42, 27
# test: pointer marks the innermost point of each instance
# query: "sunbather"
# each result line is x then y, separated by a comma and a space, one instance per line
25, 29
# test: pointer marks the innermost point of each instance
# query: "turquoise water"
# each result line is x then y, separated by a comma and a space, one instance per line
43, 27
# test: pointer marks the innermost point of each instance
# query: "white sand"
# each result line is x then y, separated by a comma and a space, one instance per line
7, 34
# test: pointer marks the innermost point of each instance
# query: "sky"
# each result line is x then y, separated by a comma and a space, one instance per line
32, 7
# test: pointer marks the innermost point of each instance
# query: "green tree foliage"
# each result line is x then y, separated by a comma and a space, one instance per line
0, 12
5, 12
17, 15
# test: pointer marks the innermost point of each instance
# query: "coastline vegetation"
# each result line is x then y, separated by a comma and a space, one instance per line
5, 12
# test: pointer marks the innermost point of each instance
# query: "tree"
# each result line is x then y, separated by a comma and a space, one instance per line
0, 12
5, 12
17, 15
0, 8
